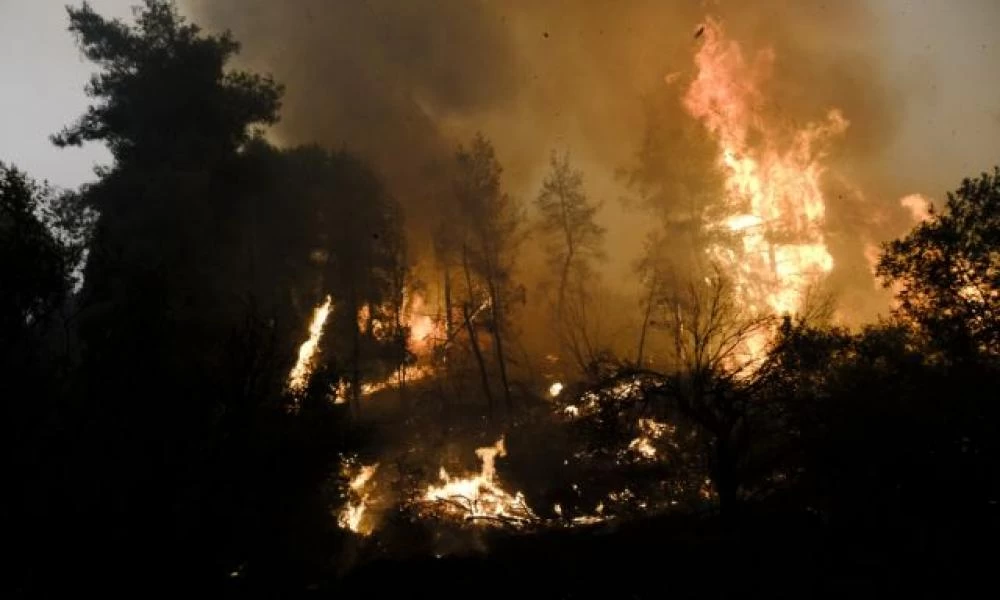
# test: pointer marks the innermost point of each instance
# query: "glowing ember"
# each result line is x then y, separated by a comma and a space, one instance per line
555, 389
340, 393
643, 447
352, 515
480, 497
650, 430
772, 177
407, 374
706, 491
299, 375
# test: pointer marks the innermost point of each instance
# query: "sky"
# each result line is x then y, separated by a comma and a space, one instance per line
41, 89
947, 52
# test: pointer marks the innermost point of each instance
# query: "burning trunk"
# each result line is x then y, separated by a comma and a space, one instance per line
473, 336
497, 313
645, 319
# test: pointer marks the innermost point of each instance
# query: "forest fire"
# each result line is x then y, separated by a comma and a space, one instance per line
479, 497
774, 204
298, 378
442, 291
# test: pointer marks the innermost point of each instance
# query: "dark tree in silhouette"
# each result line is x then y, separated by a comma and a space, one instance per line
41, 235
183, 461
948, 270
163, 94
35, 265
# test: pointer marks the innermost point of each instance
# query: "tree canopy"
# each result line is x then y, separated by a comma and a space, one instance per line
163, 92
947, 270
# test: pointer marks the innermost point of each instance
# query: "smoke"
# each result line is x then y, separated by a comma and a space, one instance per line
403, 83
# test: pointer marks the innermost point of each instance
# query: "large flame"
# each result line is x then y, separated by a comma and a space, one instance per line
480, 497
773, 204
299, 375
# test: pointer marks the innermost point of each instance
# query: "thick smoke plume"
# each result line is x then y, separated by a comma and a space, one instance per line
403, 83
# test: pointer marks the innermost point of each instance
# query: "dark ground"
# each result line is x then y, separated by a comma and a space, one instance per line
669, 557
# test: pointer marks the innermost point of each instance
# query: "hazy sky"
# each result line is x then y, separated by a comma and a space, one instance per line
42, 88
948, 52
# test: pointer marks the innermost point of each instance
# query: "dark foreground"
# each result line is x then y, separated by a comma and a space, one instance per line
774, 557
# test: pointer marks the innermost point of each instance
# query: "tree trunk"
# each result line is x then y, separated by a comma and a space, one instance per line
645, 321
473, 337
725, 480
498, 346
474, 340
448, 325
563, 278
355, 363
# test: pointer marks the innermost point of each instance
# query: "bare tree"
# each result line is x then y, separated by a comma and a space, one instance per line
573, 242
717, 348
573, 239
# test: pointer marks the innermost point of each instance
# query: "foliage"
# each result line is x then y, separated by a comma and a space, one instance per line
946, 271
35, 264
207, 111
573, 241
490, 224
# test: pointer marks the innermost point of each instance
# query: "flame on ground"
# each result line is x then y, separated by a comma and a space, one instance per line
555, 389
352, 516
299, 375
773, 201
405, 374
480, 497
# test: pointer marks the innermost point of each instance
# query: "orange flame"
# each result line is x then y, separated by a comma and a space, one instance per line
480, 496
773, 200
352, 516
299, 375
423, 327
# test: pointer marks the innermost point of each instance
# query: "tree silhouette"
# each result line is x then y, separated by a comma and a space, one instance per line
573, 241
207, 113
35, 265
491, 223
948, 270
182, 450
